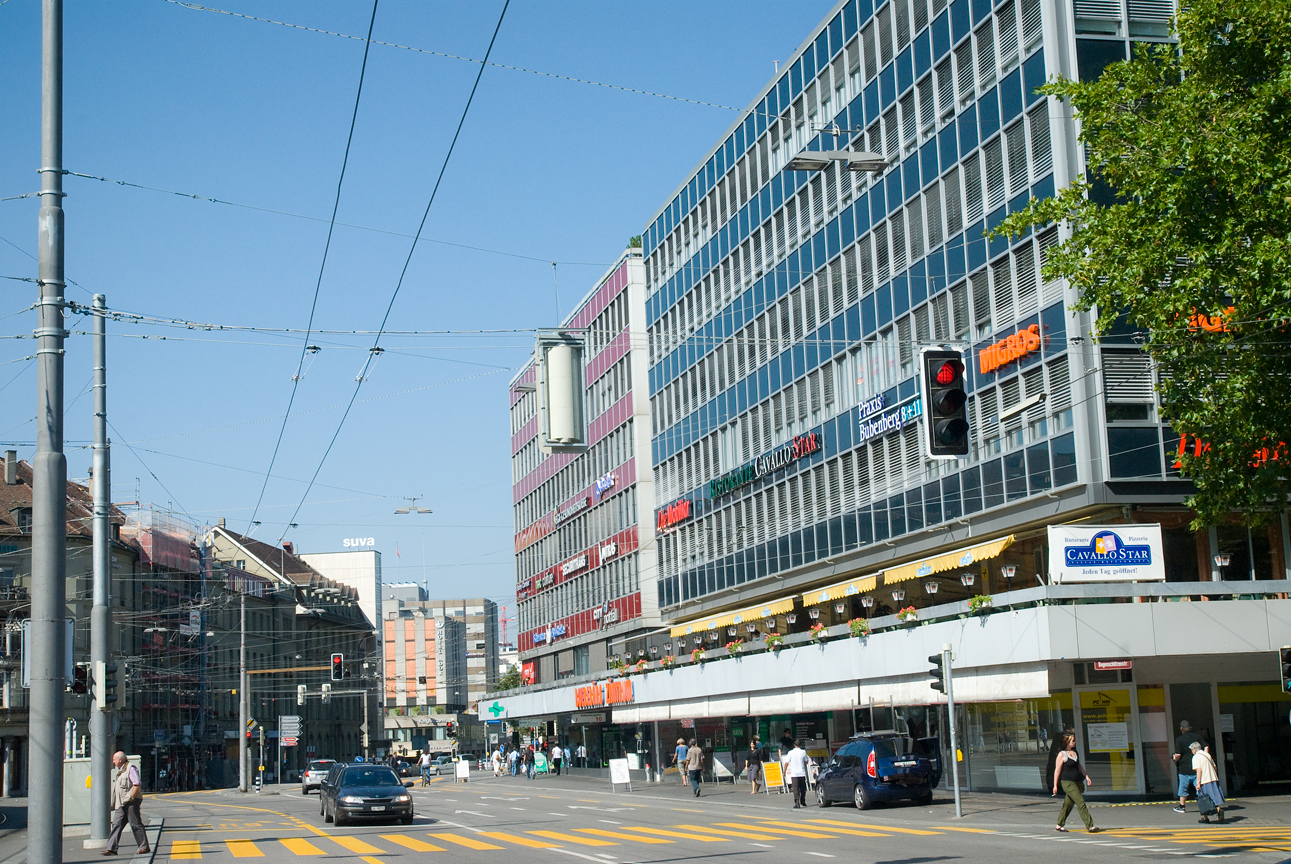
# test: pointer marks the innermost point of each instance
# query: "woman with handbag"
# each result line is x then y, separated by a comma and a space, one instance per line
1207, 782
1070, 775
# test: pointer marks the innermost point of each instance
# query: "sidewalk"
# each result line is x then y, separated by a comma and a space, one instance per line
981, 810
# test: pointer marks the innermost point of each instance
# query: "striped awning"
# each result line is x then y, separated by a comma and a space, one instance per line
858, 585
752, 613
949, 561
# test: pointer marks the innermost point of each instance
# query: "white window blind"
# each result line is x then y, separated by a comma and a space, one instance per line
1127, 377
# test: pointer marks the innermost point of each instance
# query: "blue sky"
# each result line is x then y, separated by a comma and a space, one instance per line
256, 113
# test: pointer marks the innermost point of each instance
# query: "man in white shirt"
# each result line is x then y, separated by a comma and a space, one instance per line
798, 760
581, 752
556, 754
424, 764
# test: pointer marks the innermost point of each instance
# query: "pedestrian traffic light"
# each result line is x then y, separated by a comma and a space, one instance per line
452, 733
946, 398
1284, 663
937, 673
80, 682
326, 694
338, 667
300, 694
105, 681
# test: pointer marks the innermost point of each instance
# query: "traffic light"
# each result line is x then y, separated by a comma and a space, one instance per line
300, 694
452, 733
937, 673
338, 667
946, 398
105, 681
326, 694
80, 682
1284, 663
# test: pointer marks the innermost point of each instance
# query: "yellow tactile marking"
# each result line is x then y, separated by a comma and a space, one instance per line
186, 849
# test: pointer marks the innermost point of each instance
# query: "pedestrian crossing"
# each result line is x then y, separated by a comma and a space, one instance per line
748, 829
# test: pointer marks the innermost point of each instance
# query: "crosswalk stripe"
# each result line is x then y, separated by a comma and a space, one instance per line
463, 841
875, 827
244, 849
601, 832
665, 833
569, 838
830, 830
354, 844
523, 841
413, 843
301, 846
186, 849
746, 835
961, 828
810, 835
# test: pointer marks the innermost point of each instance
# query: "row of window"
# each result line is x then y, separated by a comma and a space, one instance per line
610, 581
613, 450
605, 519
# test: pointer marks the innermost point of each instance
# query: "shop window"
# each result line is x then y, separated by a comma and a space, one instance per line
1134, 452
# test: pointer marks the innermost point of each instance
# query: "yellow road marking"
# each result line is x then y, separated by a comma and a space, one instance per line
810, 835
413, 843
301, 846
569, 838
244, 849
188, 849
464, 841
354, 844
873, 827
968, 830
664, 833
764, 821
371, 860
523, 841
601, 832
685, 810
746, 835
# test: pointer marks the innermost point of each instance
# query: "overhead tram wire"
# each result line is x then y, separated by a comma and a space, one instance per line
322, 267
408, 260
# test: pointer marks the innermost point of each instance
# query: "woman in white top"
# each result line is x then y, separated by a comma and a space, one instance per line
1207, 779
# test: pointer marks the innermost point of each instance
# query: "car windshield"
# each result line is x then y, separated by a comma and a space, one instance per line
321, 764
370, 777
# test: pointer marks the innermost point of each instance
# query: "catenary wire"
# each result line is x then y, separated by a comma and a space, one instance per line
322, 267
362, 376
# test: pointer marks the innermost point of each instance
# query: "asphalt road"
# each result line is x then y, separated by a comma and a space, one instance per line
557, 818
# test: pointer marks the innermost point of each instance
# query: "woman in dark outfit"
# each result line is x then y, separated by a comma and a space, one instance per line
1070, 775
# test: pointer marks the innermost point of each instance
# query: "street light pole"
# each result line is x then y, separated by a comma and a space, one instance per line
947, 656
49, 474
101, 612
242, 696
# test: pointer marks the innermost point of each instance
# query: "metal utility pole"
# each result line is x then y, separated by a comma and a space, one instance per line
49, 473
950, 713
242, 698
101, 612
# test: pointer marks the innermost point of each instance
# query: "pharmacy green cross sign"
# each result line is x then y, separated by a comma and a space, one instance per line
496, 709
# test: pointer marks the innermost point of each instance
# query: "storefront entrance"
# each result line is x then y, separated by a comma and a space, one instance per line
1107, 737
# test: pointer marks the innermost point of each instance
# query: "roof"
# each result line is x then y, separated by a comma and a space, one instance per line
80, 505
284, 564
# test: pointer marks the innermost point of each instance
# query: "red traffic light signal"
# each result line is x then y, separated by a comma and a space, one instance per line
338, 667
949, 371
946, 397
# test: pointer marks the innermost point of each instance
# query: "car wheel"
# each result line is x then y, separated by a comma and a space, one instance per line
406, 820
327, 814
821, 800
304, 791
337, 819
860, 798
924, 798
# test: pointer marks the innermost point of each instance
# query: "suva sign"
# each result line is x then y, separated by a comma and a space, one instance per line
359, 542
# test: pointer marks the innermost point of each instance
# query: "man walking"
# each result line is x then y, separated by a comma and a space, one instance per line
582, 754
679, 759
1183, 762
797, 761
513, 757
127, 793
695, 765
556, 754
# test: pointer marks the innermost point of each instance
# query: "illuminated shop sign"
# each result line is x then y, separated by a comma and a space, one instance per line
673, 514
1092, 553
572, 509
546, 580
550, 633
573, 565
605, 483
802, 445
1008, 349
609, 693
875, 422
605, 615
528, 673
609, 550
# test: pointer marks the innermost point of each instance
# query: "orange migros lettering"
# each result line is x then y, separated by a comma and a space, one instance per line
1008, 349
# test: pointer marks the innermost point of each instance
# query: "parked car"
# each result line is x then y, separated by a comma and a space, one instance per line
314, 774
442, 765
880, 768
405, 768
365, 792
471, 758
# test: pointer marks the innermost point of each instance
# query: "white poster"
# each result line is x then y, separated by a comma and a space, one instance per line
462, 770
1110, 553
619, 772
1108, 737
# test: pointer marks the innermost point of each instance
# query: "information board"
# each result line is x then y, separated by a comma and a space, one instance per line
1106, 553
1108, 737
463, 770
772, 774
620, 774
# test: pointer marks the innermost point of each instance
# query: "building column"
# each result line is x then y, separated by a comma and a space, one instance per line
7, 780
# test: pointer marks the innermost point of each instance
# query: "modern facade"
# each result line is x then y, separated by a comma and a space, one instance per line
438, 653
585, 561
786, 312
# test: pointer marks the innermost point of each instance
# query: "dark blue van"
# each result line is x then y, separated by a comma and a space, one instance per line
879, 768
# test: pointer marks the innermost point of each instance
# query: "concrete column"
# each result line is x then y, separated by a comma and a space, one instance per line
7, 780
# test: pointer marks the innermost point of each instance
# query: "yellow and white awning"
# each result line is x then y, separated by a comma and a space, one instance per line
949, 561
843, 589
752, 613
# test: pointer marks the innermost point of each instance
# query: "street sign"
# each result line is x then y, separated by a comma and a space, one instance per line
158, 736
288, 740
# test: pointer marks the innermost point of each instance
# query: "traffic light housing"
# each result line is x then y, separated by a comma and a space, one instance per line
452, 731
946, 403
105, 681
937, 673
300, 694
1284, 664
326, 695
338, 667
80, 682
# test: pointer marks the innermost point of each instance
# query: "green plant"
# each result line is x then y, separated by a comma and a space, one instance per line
979, 603
640, 665
511, 679
668, 662
697, 656
859, 627
774, 640
908, 614
734, 647
816, 631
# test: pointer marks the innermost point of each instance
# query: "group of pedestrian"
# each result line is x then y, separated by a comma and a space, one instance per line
689, 759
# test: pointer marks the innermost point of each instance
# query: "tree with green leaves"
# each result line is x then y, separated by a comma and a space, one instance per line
1194, 251
510, 680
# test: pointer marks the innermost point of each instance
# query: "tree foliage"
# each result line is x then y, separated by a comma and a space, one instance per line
1194, 252
510, 680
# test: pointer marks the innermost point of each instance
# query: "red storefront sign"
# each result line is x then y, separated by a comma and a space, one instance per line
674, 513
1008, 349
1112, 665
